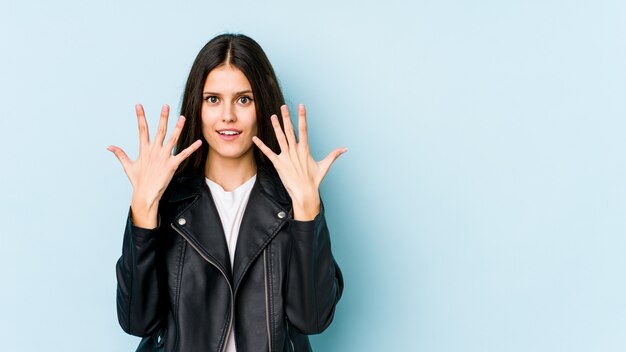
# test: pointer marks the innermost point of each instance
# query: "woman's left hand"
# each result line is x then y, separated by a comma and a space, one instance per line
300, 174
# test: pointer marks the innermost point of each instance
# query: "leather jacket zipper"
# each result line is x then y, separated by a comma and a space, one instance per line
267, 304
232, 296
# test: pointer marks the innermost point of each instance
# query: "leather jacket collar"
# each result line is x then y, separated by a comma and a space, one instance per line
184, 187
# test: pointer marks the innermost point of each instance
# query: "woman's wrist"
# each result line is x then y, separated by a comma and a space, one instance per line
306, 208
144, 213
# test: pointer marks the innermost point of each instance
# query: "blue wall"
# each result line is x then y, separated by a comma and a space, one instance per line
481, 207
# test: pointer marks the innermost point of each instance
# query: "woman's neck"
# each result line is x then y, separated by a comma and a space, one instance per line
230, 173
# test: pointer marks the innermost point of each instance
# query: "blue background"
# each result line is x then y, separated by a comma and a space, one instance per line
481, 207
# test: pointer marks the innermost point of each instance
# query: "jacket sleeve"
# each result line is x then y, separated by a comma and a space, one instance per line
137, 281
315, 282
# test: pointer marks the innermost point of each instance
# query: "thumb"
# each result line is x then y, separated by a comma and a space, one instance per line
330, 159
121, 156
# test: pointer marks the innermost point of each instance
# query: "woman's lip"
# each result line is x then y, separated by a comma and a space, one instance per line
228, 137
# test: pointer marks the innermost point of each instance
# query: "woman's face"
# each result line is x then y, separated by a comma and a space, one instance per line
228, 114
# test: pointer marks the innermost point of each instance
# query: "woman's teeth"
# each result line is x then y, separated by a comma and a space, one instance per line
228, 133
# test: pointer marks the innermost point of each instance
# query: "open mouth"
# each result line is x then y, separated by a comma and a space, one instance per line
229, 132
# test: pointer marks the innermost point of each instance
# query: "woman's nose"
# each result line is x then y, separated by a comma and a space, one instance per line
229, 115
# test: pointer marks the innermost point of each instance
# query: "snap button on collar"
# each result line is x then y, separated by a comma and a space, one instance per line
182, 221
281, 215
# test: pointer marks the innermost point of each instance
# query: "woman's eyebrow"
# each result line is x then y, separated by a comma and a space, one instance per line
237, 93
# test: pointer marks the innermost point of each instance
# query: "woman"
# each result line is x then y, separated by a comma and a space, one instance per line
226, 246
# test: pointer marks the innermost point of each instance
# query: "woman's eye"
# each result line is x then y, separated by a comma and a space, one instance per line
244, 100
212, 99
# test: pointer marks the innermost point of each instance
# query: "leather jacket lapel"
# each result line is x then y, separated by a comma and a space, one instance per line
261, 221
201, 224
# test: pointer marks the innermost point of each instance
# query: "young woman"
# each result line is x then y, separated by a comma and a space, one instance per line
226, 246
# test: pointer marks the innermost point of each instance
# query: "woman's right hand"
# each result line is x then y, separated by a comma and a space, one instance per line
154, 168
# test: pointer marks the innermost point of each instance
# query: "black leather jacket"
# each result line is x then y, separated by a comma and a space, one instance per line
176, 287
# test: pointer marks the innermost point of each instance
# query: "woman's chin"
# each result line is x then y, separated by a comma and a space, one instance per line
227, 154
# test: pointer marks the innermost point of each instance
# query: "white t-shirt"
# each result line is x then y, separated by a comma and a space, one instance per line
230, 206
